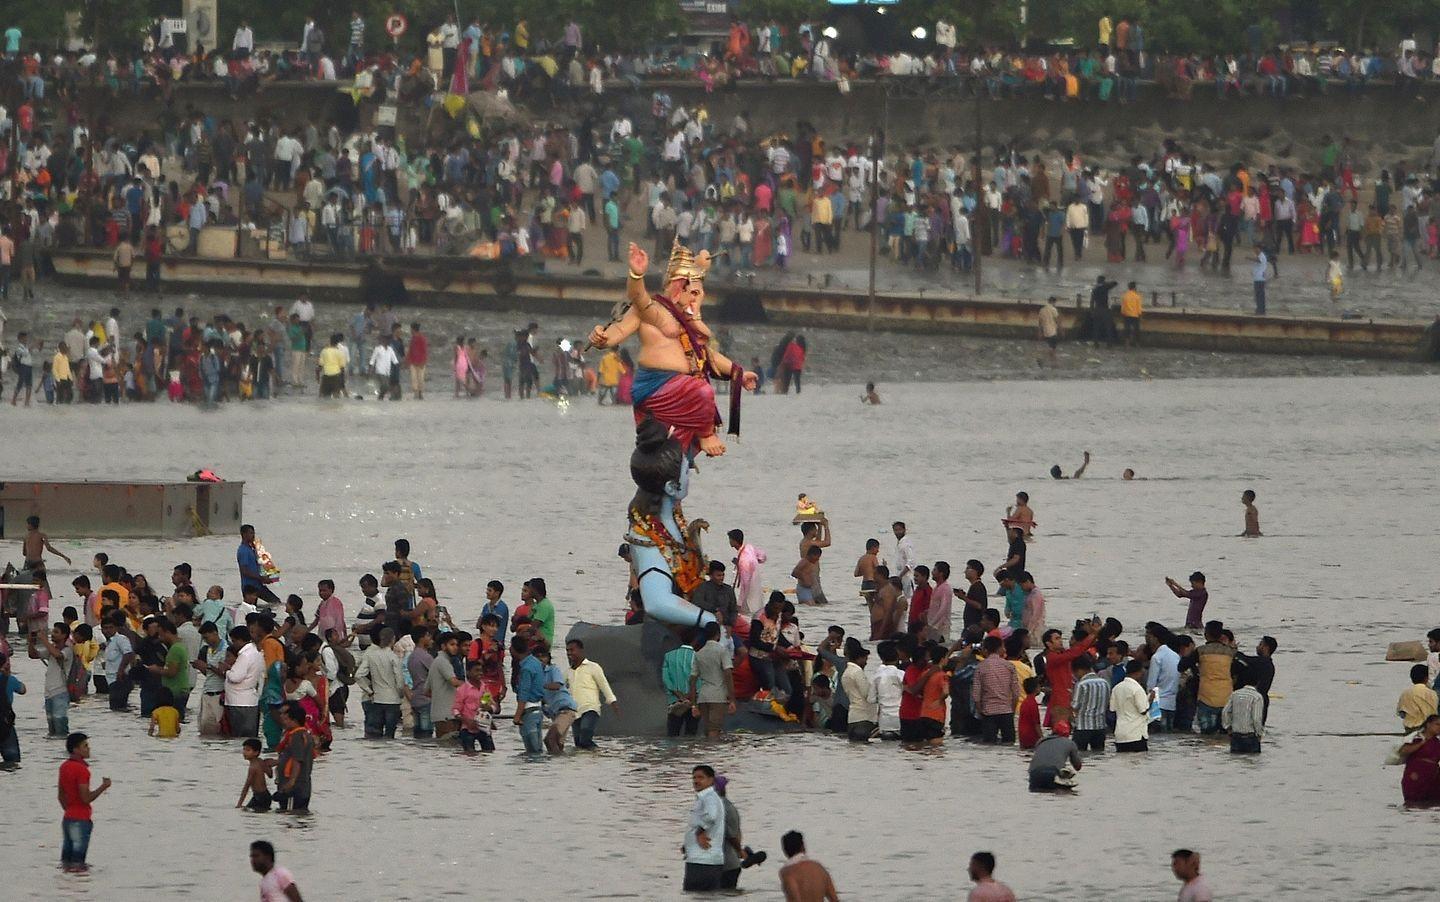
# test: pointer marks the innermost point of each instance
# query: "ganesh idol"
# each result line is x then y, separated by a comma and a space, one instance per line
677, 359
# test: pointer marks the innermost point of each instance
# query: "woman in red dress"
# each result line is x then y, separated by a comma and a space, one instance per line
793, 365
1421, 782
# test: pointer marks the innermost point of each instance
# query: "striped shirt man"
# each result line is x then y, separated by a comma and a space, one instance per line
1090, 701
1244, 713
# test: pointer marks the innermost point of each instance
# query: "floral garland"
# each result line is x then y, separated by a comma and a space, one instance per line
697, 359
683, 560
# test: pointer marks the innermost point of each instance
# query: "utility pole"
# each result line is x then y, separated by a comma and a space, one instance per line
982, 214
876, 154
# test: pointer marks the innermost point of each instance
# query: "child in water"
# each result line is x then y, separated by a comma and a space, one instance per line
1028, 727
1252, 515
1333, 277
256, 772
165, 719
870, 396
820, 704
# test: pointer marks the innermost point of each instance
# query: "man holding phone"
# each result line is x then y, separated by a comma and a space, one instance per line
58, 655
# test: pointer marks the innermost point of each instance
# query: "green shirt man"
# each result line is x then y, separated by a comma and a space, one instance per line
179, 660
543, 614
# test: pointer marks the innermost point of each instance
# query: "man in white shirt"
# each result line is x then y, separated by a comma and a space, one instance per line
242, 685
304, 309
449, 44
1131, 704
382, 687
860, 690
287, 155
945, 34
244, 42
385, 365
889, 689
905, 559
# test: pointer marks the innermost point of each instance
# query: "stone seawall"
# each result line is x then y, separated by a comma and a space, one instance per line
487, 286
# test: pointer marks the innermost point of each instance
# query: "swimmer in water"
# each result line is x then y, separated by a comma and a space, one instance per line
870, 396
1128, 475
1020, 514
1252, 515
1057, 473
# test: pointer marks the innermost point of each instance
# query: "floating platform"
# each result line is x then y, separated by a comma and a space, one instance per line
112, 509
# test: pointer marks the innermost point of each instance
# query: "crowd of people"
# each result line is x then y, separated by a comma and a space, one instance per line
375, 353
990, 670
756, 200
276, 675
258, 667
492, 55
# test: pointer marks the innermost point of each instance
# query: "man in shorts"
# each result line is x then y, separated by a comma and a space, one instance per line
24, 369
712, 682
1050, 325
331, 368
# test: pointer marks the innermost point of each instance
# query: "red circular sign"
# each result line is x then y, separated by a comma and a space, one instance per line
395, 25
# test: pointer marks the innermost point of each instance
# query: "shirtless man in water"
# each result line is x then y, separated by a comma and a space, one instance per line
1057, 473
677, 354
815, 535
803, 879
1020, 513
887, 613
33, 548
807, 576
1252, 515
865, 570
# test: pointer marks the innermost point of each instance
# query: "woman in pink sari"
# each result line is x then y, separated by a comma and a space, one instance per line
304, 682
1421, 782
476, 377
462, 367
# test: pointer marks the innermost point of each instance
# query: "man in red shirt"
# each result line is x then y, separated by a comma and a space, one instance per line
1057, 668
911, 696
919, 601
76, 797
415, 358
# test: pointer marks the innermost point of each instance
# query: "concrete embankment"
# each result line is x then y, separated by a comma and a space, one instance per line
484, 285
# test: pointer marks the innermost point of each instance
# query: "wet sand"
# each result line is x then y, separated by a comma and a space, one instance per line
494, 490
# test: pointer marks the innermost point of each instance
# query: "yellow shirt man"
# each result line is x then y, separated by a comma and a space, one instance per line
60, 367
332, 361
821, 211
610, 368
1130, 304
127, 603
1416, 705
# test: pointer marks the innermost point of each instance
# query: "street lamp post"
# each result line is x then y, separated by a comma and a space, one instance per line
982, 214
876, 154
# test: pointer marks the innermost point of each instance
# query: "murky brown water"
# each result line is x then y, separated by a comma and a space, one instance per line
1343, 467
